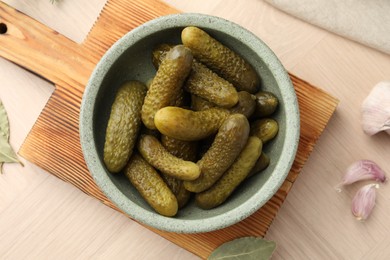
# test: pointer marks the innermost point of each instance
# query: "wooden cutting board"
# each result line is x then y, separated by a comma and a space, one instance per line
53, 143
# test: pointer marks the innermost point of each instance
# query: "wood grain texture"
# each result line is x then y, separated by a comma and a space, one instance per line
53, 143
26, 41
77, 16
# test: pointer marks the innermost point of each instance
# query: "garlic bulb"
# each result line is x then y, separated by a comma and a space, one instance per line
375, 109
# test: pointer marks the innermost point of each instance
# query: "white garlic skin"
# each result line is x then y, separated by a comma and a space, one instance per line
375, 110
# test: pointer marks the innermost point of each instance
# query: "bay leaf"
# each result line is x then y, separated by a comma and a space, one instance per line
245, 248
4, 127
7, 154
4, 124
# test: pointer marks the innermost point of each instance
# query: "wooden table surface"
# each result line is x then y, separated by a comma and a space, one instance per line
41, 217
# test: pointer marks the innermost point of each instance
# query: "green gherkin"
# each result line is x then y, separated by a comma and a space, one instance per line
151, 186
199, 104
154, 153
123, 125
177, 187
225, 62
266, 104
261, 164
266, 129
246, 104
185, 150
227, 145
202, 81
208, 85
159, 53
167, 84
188, 125
230, 180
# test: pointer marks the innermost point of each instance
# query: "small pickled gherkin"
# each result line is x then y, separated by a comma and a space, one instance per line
159, 53
206, 84
177, 187
219, 58
155, 154
167, 84
246, 104
227, 145
202, 81
266, 129
123, 125
188, 125
199, 104
151, 186
266, 104
231, 179
261, 164
187, 151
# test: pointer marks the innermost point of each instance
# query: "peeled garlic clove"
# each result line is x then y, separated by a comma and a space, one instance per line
364, 201
375, 110
362, 170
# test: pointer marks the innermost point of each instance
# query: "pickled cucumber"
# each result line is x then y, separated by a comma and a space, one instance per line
159, 53
177, 187
187, 125
225, 62
266, 104
187, 151
202, 81
266, 129
246, 104
261, 164
123, 125
167, 83
154, 153
227, 145
199, 104
180, 98
206, 84
230, 180
151, 186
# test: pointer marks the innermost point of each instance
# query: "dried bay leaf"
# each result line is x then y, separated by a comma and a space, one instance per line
7, 154
4, 127
244, 248
4, 124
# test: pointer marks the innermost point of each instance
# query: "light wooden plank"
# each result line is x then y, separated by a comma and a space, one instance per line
78, 16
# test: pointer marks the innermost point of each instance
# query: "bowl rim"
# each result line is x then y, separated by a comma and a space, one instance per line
95, 166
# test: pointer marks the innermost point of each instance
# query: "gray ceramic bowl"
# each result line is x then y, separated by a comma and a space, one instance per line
130, 59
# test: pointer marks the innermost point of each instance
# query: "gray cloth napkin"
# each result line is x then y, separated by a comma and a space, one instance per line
364, 21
